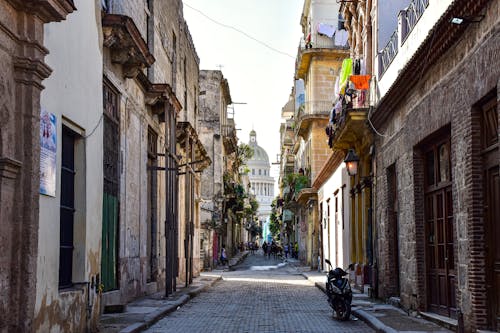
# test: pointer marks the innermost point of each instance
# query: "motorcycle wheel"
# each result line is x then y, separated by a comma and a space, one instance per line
343, 311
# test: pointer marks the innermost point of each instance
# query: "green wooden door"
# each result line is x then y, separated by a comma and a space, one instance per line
109, 241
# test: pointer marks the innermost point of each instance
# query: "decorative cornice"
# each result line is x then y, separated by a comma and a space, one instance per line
186, 131
9, 168
46, 10
334, 161
306, 194
31, 71
157, 94
127, 46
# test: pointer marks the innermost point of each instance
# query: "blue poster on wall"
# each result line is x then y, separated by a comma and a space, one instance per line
48, 153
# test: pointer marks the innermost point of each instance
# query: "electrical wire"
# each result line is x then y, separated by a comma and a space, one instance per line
239, 31
97, 125
371, 125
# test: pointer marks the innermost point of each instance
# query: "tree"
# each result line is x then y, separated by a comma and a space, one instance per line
274, 220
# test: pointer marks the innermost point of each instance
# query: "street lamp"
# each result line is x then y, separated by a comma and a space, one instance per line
351, 161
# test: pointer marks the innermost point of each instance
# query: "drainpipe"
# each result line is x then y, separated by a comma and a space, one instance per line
186, 208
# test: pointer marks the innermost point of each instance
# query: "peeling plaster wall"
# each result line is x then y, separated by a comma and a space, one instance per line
74, 94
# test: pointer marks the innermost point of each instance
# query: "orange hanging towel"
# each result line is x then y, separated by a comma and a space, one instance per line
361, 82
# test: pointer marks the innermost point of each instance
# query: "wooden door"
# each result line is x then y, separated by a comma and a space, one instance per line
111, 203
491, 168
393, 206
439, 230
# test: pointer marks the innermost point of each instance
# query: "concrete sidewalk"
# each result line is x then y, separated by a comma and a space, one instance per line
145, 311
380, 316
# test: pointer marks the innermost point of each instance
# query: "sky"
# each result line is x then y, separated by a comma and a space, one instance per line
258, 76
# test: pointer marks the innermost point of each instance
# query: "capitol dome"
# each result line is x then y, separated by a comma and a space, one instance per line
259, 154
261, 182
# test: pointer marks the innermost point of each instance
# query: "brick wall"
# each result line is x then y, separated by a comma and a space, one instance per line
444, 99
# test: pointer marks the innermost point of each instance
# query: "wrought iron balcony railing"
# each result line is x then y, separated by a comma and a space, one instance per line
410, 16
407, 19
388, 53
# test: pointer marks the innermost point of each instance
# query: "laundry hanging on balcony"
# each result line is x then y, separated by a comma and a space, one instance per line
361, 82
345, 72
326, 29
340, 38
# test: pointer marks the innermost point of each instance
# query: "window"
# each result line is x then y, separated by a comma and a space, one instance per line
253, 172
67, 208
260, 172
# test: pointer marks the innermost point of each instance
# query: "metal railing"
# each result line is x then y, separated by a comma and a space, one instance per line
389, 52
316, 107
318, 42
410, 16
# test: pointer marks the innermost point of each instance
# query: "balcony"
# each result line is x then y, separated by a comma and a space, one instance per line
320, 45
287, 133
407, 20
388, 54
409, 17
127, 47
229, 136
349, 126
309, 112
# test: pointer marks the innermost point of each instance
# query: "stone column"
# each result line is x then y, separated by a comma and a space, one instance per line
22, 71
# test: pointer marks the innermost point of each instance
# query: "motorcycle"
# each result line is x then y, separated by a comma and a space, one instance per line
339, 292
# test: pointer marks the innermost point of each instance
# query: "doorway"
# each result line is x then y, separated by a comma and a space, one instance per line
439, 229
491, 192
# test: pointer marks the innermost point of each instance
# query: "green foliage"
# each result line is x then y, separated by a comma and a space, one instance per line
294, 182
274, 220
245, 152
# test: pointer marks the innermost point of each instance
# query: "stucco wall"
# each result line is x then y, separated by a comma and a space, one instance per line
74, 94
339, 226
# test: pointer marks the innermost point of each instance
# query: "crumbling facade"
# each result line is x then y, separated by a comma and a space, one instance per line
23, 68
214, 128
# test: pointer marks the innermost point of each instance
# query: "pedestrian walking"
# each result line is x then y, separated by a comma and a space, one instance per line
286, 251
223, 256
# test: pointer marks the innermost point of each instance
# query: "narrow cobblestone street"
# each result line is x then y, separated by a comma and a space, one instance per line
260, 295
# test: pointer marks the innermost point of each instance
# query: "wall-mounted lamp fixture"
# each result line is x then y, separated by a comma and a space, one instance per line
459, 20
351, 161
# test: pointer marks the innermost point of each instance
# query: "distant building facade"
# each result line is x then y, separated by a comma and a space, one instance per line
261, 182
219, 138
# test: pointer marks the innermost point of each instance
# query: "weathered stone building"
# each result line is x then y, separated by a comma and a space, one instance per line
318, 64
437, 161
145, 88
68, 267
22, 70
214, 132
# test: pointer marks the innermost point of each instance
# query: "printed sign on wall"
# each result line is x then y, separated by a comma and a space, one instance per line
48, 153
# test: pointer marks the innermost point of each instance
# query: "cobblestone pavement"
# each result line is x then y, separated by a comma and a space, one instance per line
260, 295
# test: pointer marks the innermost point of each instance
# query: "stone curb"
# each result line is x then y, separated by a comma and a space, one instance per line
155, 316
372, 321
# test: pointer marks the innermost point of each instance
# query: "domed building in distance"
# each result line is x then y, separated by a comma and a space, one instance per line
261, 182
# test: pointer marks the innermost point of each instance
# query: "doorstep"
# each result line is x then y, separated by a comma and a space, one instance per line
449, 323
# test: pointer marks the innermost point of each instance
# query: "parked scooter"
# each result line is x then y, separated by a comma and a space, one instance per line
339, 292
